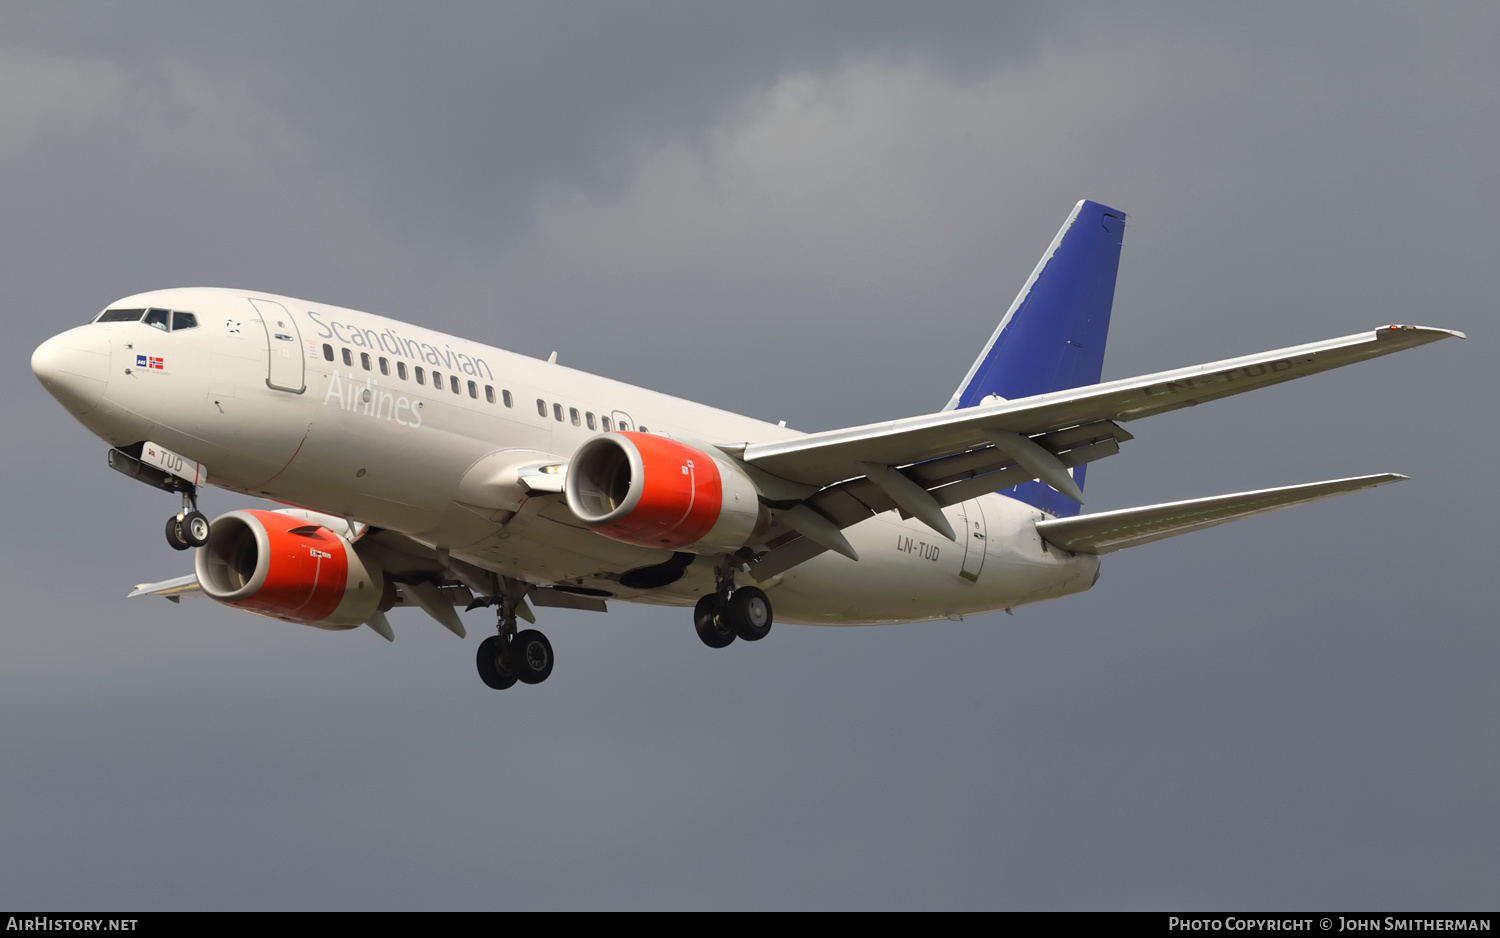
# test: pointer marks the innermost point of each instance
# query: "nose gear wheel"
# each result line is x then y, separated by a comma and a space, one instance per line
189, 527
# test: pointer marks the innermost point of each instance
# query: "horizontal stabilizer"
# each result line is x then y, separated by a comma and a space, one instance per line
1115, 530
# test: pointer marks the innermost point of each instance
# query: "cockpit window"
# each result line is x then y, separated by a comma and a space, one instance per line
165, 320
120, 315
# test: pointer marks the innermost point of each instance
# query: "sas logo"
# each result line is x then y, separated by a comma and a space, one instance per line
151, 363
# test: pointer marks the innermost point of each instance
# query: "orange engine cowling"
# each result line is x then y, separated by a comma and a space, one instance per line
288, 568
652, 491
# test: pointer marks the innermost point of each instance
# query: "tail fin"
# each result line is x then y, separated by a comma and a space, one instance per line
1052, 337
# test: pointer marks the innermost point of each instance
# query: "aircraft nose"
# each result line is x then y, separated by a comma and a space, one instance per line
74, 367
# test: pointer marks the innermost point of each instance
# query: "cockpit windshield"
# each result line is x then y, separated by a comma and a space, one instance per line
164, 319
120, 315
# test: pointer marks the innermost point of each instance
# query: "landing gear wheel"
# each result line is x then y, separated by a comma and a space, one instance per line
710, 622
531, 656
492, 669
194, 528
176, 536
748, 613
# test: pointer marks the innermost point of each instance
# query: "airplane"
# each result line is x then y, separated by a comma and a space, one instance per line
421, 469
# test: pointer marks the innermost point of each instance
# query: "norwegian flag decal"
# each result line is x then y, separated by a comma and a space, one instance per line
151, 362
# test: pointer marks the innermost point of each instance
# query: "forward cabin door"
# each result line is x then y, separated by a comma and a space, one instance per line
284, 369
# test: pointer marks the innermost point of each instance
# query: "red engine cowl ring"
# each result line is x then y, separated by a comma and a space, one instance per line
285, 567
652, 491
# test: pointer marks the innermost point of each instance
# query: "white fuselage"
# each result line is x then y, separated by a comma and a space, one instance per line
251, 393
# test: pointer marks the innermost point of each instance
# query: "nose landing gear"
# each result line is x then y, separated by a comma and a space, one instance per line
189, 527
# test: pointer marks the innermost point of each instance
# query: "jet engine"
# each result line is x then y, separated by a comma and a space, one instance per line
652, 491
288, 567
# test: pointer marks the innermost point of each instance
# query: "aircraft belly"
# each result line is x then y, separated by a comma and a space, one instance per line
533, 546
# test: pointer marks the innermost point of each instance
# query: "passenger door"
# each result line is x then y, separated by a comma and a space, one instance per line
284, 369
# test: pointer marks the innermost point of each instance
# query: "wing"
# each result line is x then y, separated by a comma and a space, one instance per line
173, 589
921, 464
823, 458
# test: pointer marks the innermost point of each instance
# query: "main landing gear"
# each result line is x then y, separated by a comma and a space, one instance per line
189, 527
729, 612
512, 656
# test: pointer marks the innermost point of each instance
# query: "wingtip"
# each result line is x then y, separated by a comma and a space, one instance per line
1436, 332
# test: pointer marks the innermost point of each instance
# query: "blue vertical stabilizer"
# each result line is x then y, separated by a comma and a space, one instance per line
1052, 337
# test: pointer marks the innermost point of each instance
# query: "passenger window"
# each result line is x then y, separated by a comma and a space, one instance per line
541, 407
589, 417
604, 423
437, 380
453, 383
505, 396
489, 393
573, 413
349, 358
643, 429
557, 412
401, 370
183, 321
420, 375
121, 315
385, 366
364, 360
327, 351
157, 318
474, 391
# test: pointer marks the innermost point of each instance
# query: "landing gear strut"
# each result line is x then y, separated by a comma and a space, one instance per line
729, 612
512, 656
189, 527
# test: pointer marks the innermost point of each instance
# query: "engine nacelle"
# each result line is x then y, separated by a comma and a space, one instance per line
287, 567
652, 491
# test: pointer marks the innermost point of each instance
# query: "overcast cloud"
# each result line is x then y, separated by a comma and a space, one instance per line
814, 213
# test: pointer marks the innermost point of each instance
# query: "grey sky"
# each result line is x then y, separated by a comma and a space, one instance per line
808, 212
